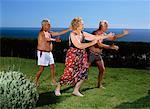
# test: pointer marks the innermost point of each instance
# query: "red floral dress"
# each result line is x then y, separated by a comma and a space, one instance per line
76, 66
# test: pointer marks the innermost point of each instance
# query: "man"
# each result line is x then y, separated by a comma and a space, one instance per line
96, 50
44, 48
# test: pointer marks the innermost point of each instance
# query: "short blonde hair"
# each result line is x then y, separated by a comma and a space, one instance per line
75, 23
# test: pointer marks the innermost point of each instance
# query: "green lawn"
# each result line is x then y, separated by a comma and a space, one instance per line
126, 88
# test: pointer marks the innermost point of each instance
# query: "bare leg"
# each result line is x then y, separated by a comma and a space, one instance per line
89, 65
52, 69
101, 69
76, 89
38, 74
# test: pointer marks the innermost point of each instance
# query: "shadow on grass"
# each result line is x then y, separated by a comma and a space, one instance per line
46, 99
49, 98
85, 89
143, 102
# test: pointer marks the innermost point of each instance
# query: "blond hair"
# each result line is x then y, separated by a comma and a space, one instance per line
75, 23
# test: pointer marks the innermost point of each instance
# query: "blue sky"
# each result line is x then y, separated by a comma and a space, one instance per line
119, 13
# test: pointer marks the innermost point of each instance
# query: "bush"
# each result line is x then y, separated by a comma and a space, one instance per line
16, 91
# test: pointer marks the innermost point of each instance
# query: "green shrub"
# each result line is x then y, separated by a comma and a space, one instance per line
16, 91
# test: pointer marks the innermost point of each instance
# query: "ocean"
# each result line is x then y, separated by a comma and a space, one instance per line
135, 35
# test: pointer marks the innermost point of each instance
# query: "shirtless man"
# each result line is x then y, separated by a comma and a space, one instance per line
96, 50
44, 48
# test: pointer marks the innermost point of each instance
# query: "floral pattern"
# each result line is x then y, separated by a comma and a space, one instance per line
76, 66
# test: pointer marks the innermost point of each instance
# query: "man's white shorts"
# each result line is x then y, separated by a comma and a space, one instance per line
45, 58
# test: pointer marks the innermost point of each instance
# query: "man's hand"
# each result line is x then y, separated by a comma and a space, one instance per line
125, 32
58, 40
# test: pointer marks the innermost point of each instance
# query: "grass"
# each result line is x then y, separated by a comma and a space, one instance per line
126, 88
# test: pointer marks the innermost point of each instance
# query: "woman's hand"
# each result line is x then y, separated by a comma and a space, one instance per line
107, 36
111, 36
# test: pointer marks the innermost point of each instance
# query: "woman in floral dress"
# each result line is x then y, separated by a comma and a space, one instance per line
76, 66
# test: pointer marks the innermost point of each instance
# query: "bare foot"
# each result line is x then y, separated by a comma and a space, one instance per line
101, 86
77, 94
57, 92
37, 84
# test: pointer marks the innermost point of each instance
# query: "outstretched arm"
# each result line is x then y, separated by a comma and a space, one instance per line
91, 37
52, 39
125, 32
60, 33
76, 42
